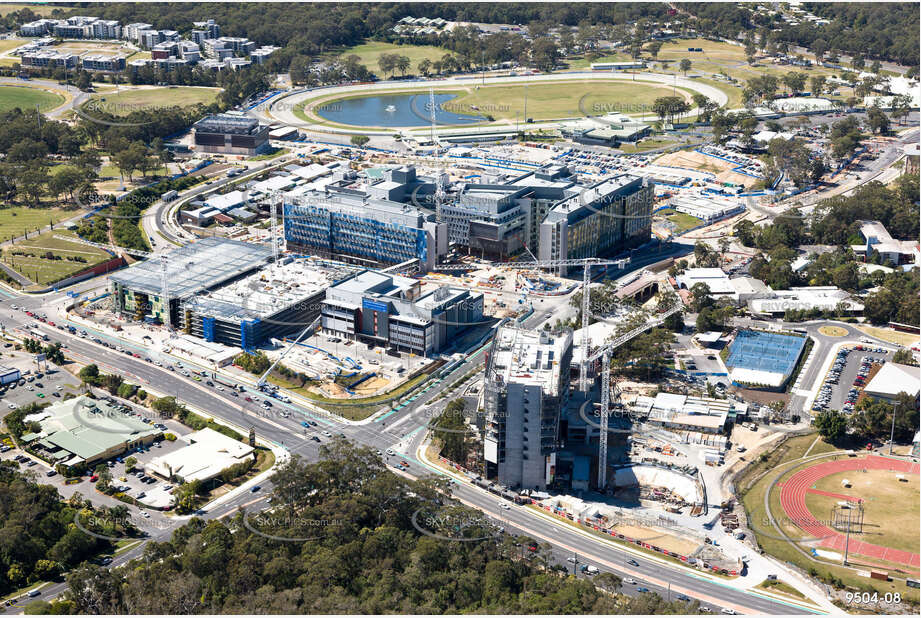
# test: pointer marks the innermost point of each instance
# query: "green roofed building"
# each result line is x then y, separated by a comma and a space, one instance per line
85, 430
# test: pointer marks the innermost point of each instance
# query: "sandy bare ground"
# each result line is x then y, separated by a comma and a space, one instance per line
696, 161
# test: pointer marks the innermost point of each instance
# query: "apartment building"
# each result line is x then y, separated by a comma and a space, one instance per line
46, 58
103, 63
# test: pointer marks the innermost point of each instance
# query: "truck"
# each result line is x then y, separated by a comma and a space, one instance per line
590, 569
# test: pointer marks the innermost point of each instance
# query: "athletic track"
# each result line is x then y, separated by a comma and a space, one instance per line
793, 500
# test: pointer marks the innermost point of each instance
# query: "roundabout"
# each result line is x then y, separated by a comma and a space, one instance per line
470, 104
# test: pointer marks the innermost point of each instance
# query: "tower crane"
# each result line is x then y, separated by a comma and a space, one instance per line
161, 257
586, 264
605, 354
313, 325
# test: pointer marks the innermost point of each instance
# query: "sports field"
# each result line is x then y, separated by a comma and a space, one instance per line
38, 266
26, 98
371, 52
540, 101
891, 507
124, 102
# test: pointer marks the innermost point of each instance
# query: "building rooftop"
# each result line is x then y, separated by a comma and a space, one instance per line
526, 356
895, 378
87, 427
208, 453
195, 267
228, 123
270, 289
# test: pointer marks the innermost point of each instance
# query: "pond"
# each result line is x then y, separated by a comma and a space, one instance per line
397, 110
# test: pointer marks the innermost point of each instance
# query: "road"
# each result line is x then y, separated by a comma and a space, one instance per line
402, 430
282, 108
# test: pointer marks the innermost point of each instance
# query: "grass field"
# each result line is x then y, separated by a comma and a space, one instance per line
38, 9
42, 270
891, 508
94, 47
371, 52
545, 101
833, 331
8, 44
16, 220
757, 479
778, 587
892, 336
124, 102
682, 221
27, 98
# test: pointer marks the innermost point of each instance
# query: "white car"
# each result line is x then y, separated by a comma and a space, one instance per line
220, 388
145, 514
504, 506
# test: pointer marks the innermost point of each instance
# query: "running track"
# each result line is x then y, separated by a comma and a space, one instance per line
793, 500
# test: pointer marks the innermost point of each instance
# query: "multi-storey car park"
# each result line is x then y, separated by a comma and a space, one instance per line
193, 269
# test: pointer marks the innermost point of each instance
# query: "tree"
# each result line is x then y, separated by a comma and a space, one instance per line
89, 375
877, 119
387, 63
819, 47
402, 64
359, 140
832, 425
817, 84
795, 81
130, 463
904, 357
33, 183
654, 48
425, 67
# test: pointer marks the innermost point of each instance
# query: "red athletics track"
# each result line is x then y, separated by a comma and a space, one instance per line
793, 500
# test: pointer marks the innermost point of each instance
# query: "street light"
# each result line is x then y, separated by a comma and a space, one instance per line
895, 409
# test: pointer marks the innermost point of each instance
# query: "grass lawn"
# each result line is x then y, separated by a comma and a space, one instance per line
583, 63
684, 222
109, 170
124, 102
270, 155
892, 336
778, 587
891, 508
757, 479
43, 271
371, 52
16, 220
8, 44
650, 143
26, 98
361, 408
833, 331
39, 9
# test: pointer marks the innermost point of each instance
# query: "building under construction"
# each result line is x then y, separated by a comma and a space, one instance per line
196, 268
273, 302
527, 389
